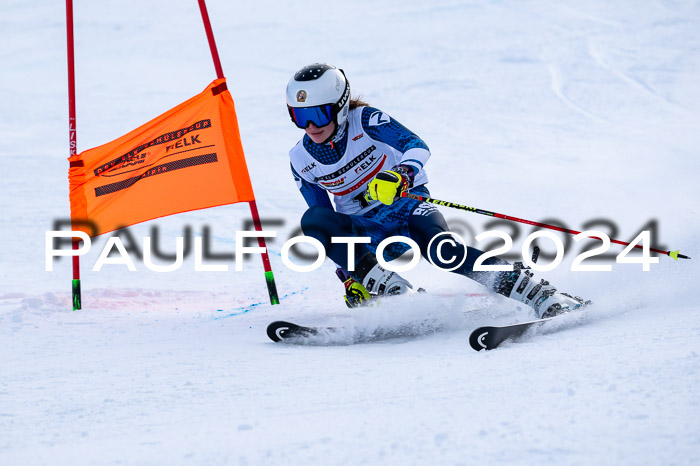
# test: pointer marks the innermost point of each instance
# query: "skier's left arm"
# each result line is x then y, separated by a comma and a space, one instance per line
389, 184
381, 127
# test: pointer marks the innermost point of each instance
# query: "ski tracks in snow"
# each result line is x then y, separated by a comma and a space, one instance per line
558, 85
584, 65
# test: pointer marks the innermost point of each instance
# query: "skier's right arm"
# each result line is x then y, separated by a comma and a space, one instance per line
314, 195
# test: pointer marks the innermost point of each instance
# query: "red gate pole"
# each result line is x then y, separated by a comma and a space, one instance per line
72, 133
269, 277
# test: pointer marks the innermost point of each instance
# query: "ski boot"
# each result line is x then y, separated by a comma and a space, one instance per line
546, 301
372, 282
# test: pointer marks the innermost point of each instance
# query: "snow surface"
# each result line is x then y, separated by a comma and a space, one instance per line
563, 110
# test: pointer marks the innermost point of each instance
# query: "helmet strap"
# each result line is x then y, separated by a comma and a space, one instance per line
337, 133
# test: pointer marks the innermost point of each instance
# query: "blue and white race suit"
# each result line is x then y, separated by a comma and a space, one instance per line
370, 142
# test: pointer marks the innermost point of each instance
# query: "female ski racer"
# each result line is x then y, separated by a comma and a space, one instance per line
366, 159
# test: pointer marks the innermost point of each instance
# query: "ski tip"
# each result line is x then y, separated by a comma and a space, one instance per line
276, 330
479, 339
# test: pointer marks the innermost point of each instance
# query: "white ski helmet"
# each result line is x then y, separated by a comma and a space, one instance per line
318, 94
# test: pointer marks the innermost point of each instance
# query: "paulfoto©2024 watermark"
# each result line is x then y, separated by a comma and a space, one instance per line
444, 262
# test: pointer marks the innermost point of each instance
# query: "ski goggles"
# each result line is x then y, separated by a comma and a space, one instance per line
320, 115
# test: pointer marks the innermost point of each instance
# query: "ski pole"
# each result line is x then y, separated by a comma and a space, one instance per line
674, 254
